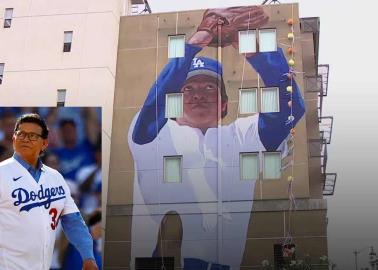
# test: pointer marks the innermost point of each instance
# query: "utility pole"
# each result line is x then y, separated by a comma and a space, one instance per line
355, 258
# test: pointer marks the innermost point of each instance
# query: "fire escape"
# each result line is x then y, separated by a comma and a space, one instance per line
318, 84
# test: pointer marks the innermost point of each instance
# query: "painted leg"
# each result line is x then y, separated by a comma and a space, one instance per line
170, 238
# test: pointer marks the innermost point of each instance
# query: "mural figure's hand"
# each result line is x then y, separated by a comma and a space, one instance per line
232, 20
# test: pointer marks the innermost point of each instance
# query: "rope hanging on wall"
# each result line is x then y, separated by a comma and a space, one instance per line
288, 243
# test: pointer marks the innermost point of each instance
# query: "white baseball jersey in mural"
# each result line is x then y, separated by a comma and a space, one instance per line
213, 203
194, 199
29, 214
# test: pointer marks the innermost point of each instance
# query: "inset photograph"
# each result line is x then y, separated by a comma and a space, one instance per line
50, 187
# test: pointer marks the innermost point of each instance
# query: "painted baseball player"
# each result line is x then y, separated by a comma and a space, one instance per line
34, 198
211, 173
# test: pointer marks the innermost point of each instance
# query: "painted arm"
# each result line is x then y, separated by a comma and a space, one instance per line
152, 115
273, 127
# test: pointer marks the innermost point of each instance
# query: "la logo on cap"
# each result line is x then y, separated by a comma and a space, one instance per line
198, 63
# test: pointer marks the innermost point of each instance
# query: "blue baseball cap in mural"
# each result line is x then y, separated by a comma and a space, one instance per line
205, 66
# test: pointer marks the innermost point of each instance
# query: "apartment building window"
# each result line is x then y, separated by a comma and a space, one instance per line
176, 46
247, 41
67, 41
249, 166
1, 72
248, 100
270, 100
172, 169
173, 105
8, 17
267, 40
61, 97
272, 165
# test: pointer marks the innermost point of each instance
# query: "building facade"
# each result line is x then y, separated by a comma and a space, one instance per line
218, 147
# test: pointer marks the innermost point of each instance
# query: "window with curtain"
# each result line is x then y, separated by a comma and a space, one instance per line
269, 100
248, 101
249, 166
267, 40
172, 169
67, 41
173, 105
247, 41
1, 72
272, 165
8, 17
61, 97
176, 46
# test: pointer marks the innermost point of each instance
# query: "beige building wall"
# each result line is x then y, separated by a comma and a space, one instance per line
142, 54
36, 66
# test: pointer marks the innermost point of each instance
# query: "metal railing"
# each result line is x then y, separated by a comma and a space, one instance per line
329, 184
318, 84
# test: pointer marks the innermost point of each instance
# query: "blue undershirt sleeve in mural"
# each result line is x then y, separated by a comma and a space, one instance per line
78, 234
273, 127
152, 115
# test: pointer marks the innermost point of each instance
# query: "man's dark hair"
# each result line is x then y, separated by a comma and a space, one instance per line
67, 121
33, 118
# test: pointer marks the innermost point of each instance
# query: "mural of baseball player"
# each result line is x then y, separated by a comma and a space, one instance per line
210, 151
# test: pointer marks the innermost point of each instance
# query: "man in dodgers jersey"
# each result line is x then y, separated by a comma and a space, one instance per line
210, 152
33, 199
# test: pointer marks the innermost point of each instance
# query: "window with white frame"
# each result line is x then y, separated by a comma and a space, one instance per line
8, 14
270, 100
176, 46
267, 40
249, 166
61, 97
172, 169
248, 100
173, 105
67, 41
1, 72
272, 165
247, 41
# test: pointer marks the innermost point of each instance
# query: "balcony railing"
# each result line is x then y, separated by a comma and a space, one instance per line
318, 84
318, 149
325, 127
329, 184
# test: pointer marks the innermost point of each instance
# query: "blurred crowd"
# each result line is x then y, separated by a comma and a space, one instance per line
75, 151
